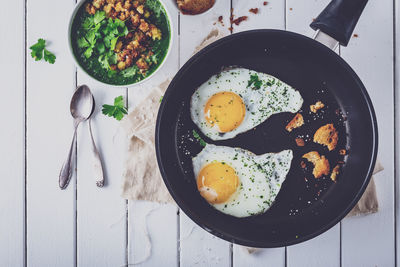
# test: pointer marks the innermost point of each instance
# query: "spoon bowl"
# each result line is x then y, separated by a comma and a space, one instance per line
82, 104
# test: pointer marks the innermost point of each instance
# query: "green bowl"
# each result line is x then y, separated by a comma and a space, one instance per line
101, 76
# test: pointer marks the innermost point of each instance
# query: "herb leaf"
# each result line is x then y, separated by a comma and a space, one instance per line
39, 51
49, 57
197, 136
255, 81
154, 6
88, 23
82, 43
117, 110
99, 16
88, 52
129, 72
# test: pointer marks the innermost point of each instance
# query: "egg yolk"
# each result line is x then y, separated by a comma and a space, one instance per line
225, 109
216, 182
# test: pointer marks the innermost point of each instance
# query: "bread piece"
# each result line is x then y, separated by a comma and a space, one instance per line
194, 7
327, 136
321, 164
296, 122
317, 106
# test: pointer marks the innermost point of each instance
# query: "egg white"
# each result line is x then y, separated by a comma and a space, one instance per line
274, 96
261, 177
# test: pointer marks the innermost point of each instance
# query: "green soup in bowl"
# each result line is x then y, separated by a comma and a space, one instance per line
120, 43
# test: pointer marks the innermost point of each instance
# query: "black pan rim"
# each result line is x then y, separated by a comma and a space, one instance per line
220, 232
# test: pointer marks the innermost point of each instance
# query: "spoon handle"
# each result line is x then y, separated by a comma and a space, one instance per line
98, 168
66, 169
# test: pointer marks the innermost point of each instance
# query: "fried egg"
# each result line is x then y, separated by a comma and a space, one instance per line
236, 100
236, 181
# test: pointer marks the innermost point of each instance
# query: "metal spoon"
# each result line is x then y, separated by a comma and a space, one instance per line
81, 108
98, 168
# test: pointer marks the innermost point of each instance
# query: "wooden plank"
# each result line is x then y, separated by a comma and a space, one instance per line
197, 247
194, 29
370, 241
325, 249
148, 216
153, 231
101, 212
261, 257
12, 161
271, 16
50, 211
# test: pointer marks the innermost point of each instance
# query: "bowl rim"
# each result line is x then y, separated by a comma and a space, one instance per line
70, 48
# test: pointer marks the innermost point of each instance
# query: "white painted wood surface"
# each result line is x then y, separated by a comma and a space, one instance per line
88, 226
100, 210
12, 141
50, 213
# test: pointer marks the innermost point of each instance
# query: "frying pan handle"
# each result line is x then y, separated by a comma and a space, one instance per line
339, 18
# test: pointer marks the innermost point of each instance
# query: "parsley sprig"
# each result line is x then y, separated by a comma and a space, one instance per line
118, 110
39, 51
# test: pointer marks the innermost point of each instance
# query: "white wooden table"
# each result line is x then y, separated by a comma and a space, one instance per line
40, 225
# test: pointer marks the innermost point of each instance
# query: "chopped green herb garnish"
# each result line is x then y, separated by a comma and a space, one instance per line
197, 136
255, 81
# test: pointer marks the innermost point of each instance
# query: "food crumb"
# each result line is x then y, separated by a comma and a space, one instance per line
296, 122
253, 10
317, 106
327, 135
303, 165
239, 20
335, 173
221, 20
321, 164
299, 141
265, 3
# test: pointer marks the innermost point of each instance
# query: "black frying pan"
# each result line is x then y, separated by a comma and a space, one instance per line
305, 207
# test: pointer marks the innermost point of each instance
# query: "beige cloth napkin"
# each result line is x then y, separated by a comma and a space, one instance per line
142, 179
